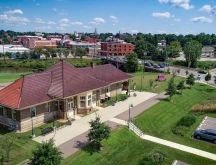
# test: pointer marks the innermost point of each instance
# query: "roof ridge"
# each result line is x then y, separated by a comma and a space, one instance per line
62, 78
21, 93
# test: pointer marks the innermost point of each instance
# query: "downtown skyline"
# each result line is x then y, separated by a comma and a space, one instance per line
132, 16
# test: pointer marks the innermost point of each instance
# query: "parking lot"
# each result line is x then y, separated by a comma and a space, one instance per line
208, 123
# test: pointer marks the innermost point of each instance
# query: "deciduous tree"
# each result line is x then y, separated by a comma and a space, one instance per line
208, 77
190, 80
181, 86
132, 62
171, 90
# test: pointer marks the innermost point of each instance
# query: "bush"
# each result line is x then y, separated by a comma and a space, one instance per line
209, 108
184, 124
187, 121
155, 158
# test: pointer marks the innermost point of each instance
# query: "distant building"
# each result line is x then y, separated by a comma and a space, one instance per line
161, 44
31, 44
13, 49
24, 39
74, 44
207, 51
50, 37
116, 48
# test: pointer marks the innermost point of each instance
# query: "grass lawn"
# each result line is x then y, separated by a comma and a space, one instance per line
113, 99
162, 85
10, 77
161, 118
125, 148
23, 142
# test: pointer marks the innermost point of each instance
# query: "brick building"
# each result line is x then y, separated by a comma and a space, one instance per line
59, 92
24, 39
116, 48
31, 44
50, 37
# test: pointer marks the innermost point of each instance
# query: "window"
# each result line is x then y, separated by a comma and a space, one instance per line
47, 107
82, 101
89, 100
70, 104
94, 97
4, 112
14, 116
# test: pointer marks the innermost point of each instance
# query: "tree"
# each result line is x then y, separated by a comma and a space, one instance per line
52, 52
186, 72
8, 54
18, 54
208, 77
73, 37
180, 86
25, 55
190, 80
98, 132
7, 144
46, 153
80, 52
46, 53
171, 90
39, 51
66, 53
140, 48
132, 62
83, 37
192, 51
73, 52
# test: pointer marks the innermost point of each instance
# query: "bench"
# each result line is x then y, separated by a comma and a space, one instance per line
47, 130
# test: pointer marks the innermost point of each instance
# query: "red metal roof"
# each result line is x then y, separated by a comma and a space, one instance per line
60, 80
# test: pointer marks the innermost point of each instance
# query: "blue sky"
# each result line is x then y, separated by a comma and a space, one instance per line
146, 16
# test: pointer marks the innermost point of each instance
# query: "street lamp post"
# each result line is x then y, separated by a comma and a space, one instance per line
141, 84
117, 85
130, 81
130, 106
33, 113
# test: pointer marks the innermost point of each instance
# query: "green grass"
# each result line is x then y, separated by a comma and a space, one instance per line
113, 99
162, 117
10, 77
125, 148
23, 142
162, 85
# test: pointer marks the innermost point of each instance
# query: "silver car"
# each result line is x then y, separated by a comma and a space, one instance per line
207, 134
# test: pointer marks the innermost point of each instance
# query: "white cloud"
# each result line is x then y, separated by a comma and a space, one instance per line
208, 9
76, 23
99, 20
202, 19
161, 15
171, 24
134, 31
177, 20
92, 22
39, 20
13, 20
178, 3
60, 28
17, 11
161, 31
43, 28
51, 23
54, 9
88, 27
64, 20
38, 4
64, 25
114, 18
113, 24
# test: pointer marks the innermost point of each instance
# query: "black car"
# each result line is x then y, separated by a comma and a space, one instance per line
161, 65
207, 134
156, 66
202, 72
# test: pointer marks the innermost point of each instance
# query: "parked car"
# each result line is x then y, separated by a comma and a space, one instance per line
156, 66
161, 65
165, 64
139, 62
207, 134
151, 64
202, 72
147, 64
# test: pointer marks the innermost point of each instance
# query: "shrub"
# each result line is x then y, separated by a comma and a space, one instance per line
187, 121
180, 130
209, 108
155, 158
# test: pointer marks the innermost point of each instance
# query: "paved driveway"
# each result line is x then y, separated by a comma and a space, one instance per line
82, 125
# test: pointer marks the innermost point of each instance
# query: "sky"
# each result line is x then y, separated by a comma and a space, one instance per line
132, 16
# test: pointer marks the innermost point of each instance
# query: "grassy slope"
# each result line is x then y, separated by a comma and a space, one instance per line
23, 143
10, 77
162, 85
125, 148
161, 118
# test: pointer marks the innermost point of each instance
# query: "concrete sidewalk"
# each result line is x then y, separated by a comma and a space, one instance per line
70, 147
80, 126
174, 145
